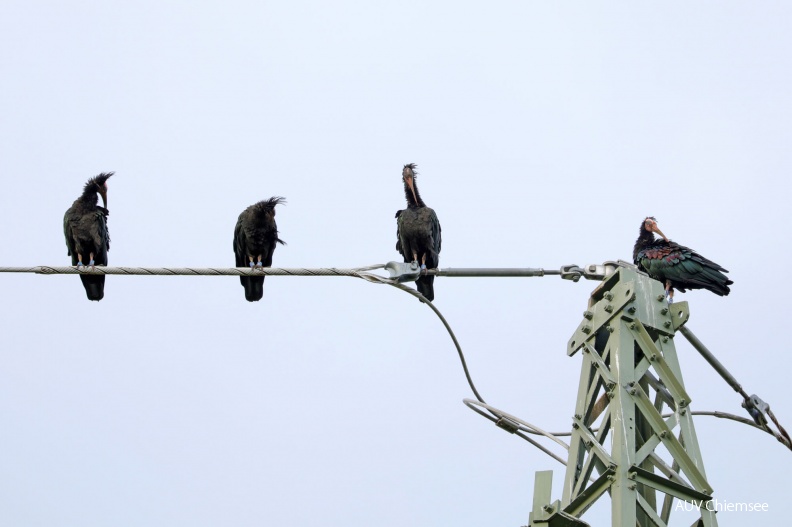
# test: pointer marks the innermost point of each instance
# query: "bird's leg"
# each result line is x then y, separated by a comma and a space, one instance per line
251, 261
669, 291
415, 257
423, 262
79, 261
259, 265
91, 262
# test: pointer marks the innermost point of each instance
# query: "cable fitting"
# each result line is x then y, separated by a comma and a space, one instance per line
507, 424
571, 272
403, 272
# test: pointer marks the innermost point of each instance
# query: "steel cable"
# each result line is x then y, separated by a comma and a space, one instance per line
357, 272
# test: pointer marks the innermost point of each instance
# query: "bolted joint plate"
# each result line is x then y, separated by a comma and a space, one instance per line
609, 305
679, 314
630, 295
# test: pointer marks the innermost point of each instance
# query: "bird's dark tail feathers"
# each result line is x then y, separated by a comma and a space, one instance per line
254, 288
425, 286
94, 286
717, 282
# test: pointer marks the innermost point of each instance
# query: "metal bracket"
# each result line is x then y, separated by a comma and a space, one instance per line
507, 424
763, 416
757, 408
403, 272
571, 272
600, 272
590, 272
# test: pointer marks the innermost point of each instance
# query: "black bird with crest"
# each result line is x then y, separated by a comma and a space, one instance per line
255, 238
418, 232
677, 266
85, 229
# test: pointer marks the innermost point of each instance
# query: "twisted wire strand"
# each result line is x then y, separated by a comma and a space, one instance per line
193, 271
356, 272
364, 274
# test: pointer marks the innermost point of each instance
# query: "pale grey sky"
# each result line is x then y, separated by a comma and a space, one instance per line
543, 133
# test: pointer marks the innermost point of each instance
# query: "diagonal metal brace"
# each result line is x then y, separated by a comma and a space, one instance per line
667, 437
655, 356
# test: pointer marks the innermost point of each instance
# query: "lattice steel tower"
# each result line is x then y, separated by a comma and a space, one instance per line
621, 443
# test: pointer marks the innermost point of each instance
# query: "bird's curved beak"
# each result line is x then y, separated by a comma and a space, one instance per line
409, 181
103, 193
652, 226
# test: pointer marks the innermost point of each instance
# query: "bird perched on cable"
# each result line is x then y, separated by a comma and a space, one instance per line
677, 266
255, 238
418, 232
85, 229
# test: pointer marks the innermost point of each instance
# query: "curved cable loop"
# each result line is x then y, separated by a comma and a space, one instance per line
382, 280
522, 425
516, 432
516, 425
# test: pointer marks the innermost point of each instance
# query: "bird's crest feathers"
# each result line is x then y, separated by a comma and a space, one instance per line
269, 204
97, 182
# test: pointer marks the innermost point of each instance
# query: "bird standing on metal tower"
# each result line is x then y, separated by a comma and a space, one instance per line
85, 229
255, 238
676, 265
418, 232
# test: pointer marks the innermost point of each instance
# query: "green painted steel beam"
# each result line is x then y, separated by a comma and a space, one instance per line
667, 486
628, 354
654, 355
587, 498
677, 450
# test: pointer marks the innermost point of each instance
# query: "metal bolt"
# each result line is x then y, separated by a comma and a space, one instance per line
633, 326
631, 310
631, 486
588, 315
664, 434
586, 329
665, 339
548, 508
609, 309
608, 295
610, 329
652, 357
667, 323
660, 298
664, 311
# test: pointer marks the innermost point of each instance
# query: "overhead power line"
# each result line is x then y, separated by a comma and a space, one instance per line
399, 273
